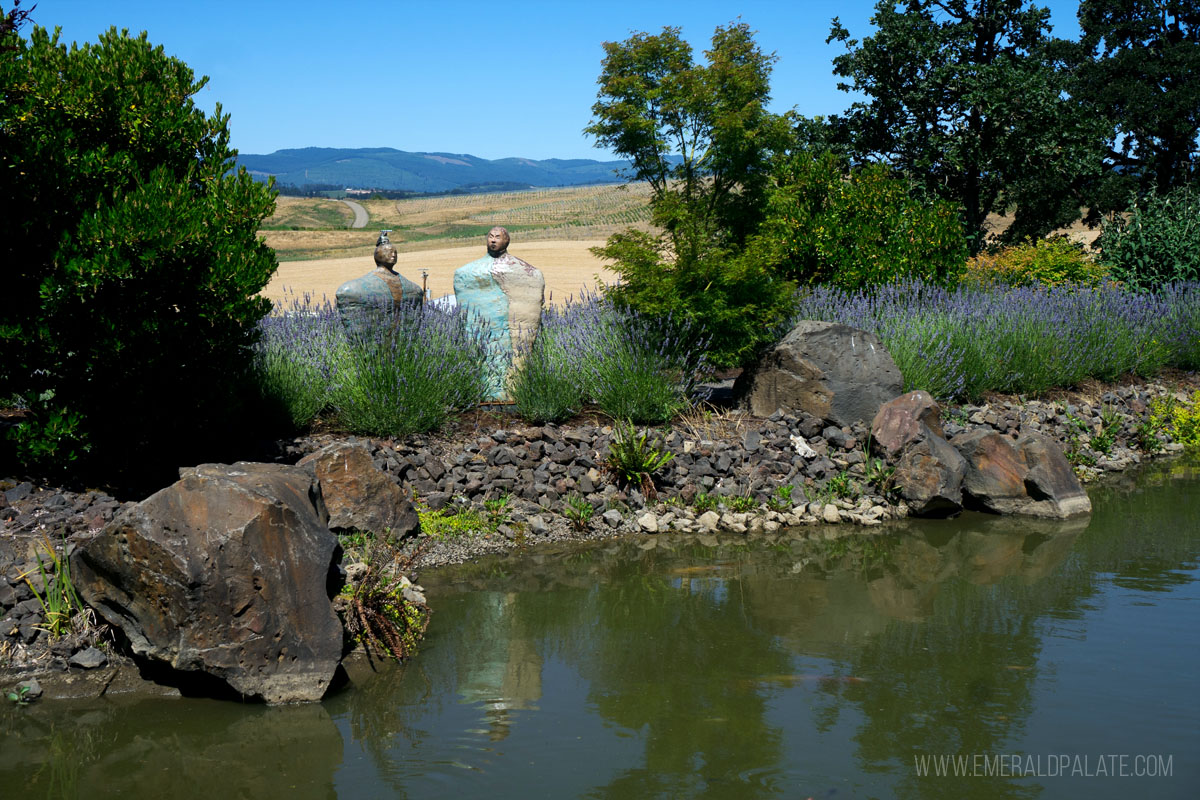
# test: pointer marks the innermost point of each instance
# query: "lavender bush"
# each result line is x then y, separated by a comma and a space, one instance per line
292, 357
406, 377
631, 366
959, 343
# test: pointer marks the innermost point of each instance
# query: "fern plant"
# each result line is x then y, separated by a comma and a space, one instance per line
634, 458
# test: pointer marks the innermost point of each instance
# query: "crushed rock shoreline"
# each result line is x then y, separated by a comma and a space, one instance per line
730, 474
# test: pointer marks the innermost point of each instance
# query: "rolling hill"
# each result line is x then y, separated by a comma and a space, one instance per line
387, 168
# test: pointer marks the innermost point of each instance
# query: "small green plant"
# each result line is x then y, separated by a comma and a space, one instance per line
1077, 454
497, 509
442, 525
741, 503
877, 472
19, 696
1147, 436
842, 486
781, 499
58, 598
1110, 425
634, 458
579, 511
705, 502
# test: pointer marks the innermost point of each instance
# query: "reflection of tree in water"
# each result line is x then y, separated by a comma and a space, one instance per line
976, 657
692, 693
936, 636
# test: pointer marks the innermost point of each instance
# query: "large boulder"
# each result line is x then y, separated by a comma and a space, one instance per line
898, 422
995, 477
929, 473
359, 495
229, 572
1029, 476
1054, 489
829, 370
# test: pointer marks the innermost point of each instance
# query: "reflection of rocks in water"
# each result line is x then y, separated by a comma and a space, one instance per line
504, 671
978, 550
159, 748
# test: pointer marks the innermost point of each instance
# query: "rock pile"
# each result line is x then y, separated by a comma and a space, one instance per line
728, 474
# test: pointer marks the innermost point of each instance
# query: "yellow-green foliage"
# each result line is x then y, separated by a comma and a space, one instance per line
828, 223
1048, 262
440, 525
1179, 418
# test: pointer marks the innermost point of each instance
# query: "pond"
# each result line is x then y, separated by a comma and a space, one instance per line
977, 657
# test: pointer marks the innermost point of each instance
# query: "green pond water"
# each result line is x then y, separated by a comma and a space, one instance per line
728, 667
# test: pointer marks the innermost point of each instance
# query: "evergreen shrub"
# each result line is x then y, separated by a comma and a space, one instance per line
132, 262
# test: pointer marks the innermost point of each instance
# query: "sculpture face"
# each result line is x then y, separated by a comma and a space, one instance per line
497, 242
386, 255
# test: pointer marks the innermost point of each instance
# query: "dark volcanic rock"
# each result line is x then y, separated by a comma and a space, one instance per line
995, 477
359, 495
930, 473
1050, 482
1030, 476
225, 572
899, 422
832, 371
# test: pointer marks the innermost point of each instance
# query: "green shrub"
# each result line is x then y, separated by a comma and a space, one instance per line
1157, 243
734, 305
132, 262
544, 385
632, 366
1048, 262
853, 228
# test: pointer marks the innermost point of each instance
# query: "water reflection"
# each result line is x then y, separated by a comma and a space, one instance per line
674, 666
169, 748
928, 640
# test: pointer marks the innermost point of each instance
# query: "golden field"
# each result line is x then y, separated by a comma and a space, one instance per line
437, 223
550, 228
567, 265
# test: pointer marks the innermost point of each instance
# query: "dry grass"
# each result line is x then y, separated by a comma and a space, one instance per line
996, 224
309, 212
707, 422
567, 265
582, 213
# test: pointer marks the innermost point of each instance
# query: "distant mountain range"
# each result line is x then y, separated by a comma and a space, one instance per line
386, 168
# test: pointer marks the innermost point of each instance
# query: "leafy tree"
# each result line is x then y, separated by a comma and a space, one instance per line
701, 136
967, 97
1145, 56
11, 21
131, 255
829, 224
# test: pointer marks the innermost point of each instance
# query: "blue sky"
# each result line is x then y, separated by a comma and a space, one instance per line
491, 79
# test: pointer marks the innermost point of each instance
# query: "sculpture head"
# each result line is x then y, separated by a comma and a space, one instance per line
386, 255
497, 242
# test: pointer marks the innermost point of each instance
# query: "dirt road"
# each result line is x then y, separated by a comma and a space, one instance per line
360, 214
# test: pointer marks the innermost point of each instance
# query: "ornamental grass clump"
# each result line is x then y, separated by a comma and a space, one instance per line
293, 358
960, 343
407, 374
